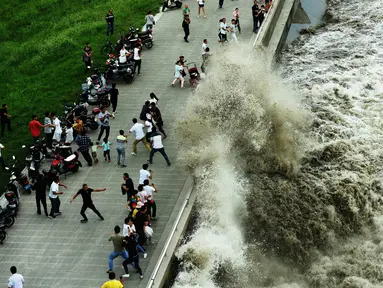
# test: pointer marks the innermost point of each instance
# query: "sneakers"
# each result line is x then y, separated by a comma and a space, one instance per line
141, 276
169, 163
123, 166
51, 217
154, 218
134, 153
145, 255
149, 162
84, 220
102, 218
114, 116
108, 271
58, 213
126, 276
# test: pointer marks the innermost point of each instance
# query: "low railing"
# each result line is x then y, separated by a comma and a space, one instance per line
168, 241
265, 23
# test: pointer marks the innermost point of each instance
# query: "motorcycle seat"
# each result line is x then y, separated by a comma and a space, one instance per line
70, 158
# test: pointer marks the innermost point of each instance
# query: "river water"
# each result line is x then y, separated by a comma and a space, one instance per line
288, 164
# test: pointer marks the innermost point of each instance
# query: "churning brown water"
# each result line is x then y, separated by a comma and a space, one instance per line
288, 164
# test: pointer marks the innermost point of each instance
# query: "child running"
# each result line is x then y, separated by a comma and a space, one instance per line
106, 146
94, 152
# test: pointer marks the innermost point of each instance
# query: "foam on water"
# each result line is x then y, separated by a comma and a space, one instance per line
288, 168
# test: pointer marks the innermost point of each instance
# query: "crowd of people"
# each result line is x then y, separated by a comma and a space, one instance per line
135, 232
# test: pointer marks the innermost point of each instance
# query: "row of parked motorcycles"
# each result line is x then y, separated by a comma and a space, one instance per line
23, 175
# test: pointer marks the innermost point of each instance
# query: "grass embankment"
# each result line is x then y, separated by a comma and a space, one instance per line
40, 54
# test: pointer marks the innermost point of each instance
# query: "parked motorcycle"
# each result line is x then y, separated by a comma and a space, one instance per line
80, 111
171, 4
116, 69
95, 90
145, 37
7, 217
61, 166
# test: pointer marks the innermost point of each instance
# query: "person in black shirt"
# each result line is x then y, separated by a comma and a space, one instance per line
5, 119
255, 11
139, 223
110, 23
130, 243
85, 192
127, 187
157, 117
144, 110
40, 186
185, 26
114, 98
261, 15
87, 57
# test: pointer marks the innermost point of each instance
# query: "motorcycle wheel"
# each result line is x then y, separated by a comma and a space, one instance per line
9, 221
106, 50
3, 236
105, 102
148, 44
128, 79
75, 169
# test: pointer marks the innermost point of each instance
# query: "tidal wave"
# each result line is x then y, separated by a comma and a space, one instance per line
288, 166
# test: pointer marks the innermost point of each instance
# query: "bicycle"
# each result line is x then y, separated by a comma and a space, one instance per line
107, 48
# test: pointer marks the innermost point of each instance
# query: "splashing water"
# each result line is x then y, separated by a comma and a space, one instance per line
289, 184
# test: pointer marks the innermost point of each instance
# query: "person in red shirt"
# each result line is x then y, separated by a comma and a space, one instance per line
35, 126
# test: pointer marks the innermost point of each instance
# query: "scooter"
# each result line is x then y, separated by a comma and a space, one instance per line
142, 37
61, 166
171, 4
116, 69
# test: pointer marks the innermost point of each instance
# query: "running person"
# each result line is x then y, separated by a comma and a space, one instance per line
177, 74
233, 37
85, 192
222, 31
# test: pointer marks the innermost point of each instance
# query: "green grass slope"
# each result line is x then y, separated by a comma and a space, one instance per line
41, 49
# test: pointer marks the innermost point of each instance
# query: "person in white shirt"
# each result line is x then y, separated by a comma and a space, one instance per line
2, 162
204, 46
152, 207
145, 174
201, 5
149, 21
177, 74
123, 54
233, 37
129, 229
138, 129
103, 118
142, 194
156, 142
153, 99
149, 126
16, 280
222, 30
137, 59
58, 130
53, 196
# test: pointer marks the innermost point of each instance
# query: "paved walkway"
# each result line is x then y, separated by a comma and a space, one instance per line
62, 252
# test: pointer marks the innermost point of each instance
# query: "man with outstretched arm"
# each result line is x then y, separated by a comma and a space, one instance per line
86, 192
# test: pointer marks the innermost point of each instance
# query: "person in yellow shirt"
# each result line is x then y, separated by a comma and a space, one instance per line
112, 283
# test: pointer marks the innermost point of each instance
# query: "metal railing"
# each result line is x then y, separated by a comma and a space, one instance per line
265, 22
163, 252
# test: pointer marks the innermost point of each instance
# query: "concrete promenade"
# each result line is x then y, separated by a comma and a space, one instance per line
64, 253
